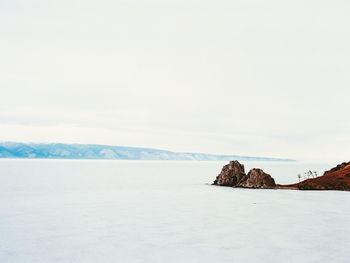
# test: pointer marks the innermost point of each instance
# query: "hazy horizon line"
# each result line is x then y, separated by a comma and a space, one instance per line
147, 148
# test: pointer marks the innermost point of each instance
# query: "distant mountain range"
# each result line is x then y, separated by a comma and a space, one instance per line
93, 151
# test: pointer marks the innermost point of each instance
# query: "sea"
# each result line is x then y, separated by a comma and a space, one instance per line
88, 211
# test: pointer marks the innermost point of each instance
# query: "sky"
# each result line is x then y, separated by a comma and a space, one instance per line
249, 77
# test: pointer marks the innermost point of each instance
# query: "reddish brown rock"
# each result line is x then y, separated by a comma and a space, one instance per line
337, 178
257, 178
231, 174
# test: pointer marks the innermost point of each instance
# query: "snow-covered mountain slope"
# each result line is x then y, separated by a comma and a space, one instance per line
93, 151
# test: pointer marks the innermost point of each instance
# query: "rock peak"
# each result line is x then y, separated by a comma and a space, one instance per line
231, 174
257, 178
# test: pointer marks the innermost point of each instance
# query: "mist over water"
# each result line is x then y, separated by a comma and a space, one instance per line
152, 211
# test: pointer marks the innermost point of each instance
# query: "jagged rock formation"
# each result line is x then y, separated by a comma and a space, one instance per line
257, 178
231, 174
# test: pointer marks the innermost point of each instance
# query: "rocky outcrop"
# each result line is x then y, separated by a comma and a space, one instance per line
231, 174
257, 178
337, 178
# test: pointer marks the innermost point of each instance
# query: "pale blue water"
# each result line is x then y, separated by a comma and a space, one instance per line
113, 211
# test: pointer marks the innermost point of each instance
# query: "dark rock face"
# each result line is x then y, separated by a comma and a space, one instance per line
231, 174
257, 178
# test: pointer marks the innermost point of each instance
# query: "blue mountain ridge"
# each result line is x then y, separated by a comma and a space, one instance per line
95, 151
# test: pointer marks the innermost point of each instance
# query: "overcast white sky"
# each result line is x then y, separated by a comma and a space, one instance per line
263, 78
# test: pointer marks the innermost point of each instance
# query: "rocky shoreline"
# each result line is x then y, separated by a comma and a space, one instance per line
234, 175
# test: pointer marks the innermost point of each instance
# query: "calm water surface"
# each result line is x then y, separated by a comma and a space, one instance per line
129, 211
